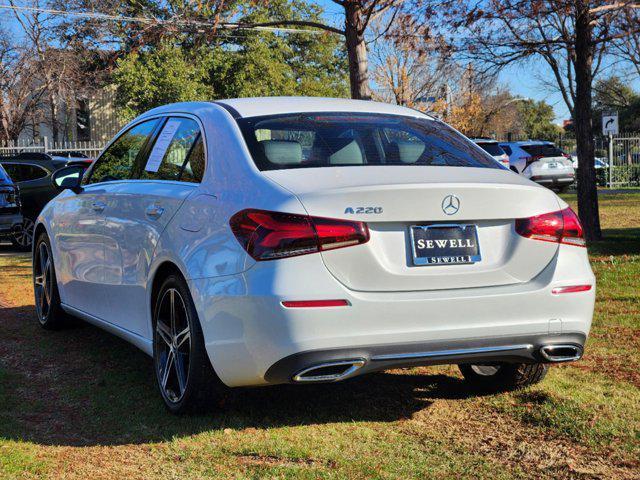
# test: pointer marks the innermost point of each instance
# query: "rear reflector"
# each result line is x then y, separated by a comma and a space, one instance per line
562, 226
269, 235
315, 303
571, 289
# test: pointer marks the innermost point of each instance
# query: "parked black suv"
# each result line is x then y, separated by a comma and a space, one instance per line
10, 217
31, 172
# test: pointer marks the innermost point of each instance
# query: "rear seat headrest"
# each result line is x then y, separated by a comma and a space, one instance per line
348, 154
282, 152
406, 151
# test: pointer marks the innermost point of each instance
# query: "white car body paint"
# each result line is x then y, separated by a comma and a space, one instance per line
106, 261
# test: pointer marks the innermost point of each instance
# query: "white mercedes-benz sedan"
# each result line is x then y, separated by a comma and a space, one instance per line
296, 240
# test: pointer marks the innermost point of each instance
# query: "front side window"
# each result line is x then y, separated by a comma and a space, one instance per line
172, 155
313, 140
118, 161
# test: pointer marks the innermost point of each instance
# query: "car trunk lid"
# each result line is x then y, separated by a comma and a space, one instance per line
393, 199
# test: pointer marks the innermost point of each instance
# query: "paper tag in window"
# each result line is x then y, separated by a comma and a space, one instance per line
161, 145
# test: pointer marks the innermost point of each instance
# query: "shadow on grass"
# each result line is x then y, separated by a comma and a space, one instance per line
623, 241
82, 386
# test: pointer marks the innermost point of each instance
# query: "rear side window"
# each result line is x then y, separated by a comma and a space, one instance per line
491, 148
24, 172
313, 140
542, 150
117, 162
507, 149
174, 155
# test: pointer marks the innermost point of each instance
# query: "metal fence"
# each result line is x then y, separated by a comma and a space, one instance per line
623, 157
90, 149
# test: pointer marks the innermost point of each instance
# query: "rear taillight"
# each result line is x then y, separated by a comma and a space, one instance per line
562, 226
269, 235
11, 196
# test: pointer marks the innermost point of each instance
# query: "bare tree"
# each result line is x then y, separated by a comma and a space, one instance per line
628, 47
573, 38
19, 98
409, 74
57, 69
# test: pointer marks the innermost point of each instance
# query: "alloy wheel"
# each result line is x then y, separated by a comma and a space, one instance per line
23, 235
43, 281
173, 345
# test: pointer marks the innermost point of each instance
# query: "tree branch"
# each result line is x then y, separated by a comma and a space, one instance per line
285, 23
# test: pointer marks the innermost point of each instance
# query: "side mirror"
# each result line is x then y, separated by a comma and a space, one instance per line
68, 178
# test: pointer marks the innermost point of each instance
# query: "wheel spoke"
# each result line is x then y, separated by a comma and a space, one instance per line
164, 331
43, 257
39, 280
172, 309
167, 369
42, 303
180, 373
46, 284
183, 336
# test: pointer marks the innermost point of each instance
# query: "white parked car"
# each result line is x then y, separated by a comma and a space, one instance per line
493, 148
598, 162
541, 162
295, 240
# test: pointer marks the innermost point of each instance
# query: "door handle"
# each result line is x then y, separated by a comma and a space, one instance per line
98, 207
154, 211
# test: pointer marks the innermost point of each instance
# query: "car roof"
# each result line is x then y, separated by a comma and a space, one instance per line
258, 106
525, 143
483, 140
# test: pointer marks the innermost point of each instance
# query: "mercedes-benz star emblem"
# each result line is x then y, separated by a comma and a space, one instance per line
450, 204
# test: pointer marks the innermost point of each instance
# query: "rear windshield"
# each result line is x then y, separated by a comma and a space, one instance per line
542, 150
491, 148
312, 140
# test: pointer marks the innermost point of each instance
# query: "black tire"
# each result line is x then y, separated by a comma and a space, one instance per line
45, 286
22, 237
503, 376
197, 388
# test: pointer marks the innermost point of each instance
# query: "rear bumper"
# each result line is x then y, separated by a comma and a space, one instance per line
9, 222
371, 358
251, 339
553, 179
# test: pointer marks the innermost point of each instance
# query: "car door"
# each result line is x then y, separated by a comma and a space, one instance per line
79, 221
138, 211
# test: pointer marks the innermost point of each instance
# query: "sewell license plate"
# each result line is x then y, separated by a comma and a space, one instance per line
442, 244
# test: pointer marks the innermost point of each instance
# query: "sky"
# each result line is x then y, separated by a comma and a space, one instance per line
518, 78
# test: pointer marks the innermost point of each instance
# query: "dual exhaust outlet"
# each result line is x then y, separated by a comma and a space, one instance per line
335, 371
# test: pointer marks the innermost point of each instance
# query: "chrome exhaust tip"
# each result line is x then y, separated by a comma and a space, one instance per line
560, 353
329, 372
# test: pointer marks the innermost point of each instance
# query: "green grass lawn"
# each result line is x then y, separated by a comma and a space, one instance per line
80, 403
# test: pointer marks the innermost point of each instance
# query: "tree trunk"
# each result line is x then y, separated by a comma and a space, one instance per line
356, 51
53, 117
587, 191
